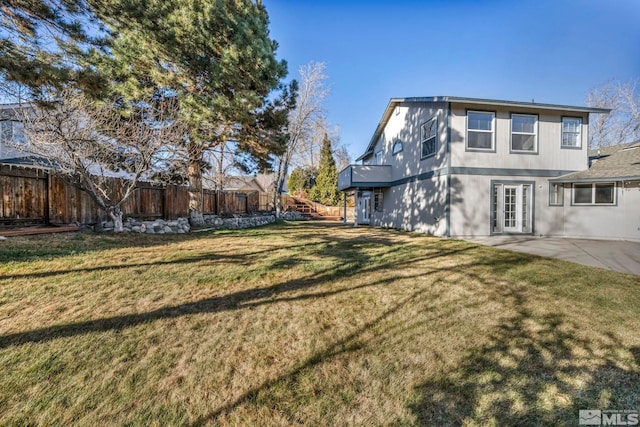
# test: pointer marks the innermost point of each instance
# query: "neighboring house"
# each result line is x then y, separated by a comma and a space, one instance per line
242, 184
12, 132
460, 167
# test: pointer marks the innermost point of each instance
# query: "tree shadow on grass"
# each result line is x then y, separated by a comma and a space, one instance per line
535, 370
350, 258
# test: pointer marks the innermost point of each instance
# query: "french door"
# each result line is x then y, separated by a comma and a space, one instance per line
512, 208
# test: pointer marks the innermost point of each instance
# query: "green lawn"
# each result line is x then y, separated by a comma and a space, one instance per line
309, 324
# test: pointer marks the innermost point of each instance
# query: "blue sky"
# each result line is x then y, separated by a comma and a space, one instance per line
550, 51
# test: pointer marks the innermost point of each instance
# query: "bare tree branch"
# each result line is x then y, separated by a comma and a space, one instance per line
90, 144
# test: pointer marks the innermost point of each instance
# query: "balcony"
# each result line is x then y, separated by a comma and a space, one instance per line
363, 176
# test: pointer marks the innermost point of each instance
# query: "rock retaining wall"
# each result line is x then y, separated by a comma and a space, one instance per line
181, 225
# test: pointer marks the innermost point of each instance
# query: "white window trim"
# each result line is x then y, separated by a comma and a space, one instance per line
560, 194
492, 131
593, 194
424, 140
562, 132
535, 135
378, 157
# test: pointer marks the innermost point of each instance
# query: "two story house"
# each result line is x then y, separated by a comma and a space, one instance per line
452, 166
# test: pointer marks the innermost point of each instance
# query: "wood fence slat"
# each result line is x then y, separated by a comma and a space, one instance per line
32, 194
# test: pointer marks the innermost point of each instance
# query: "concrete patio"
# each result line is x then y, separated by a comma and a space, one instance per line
616, 255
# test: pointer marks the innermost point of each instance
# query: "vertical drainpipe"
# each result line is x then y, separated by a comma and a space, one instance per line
344, 217
447, 203
355, 213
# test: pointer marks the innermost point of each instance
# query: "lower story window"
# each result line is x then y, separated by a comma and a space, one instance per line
556, 194
597, 193
512, 208
377, 202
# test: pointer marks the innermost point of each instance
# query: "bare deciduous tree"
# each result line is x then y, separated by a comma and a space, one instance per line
623, 123
309, 108
90, 144
308, 126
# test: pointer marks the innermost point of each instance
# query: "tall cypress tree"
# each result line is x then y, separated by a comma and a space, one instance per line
326, 189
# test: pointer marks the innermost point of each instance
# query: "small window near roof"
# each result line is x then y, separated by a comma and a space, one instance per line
571, 132
428, 137
397, 146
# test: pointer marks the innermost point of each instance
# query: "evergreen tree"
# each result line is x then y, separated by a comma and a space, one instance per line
326, 188
302, 179
44, 44
215, 58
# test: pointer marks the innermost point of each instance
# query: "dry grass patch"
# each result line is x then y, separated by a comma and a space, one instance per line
308, 324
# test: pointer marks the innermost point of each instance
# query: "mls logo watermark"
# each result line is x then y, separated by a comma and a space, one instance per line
596, 417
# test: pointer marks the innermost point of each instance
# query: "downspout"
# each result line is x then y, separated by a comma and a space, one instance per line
344, 217
356, 208
447, 203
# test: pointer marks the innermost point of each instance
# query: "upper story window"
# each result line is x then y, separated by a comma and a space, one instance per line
428, 137
571, 132
397, 146
524, 133
480, 130
598, 193
12, 132
378, 158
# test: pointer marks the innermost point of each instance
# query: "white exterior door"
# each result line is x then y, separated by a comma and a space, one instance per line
512, 208
364, 207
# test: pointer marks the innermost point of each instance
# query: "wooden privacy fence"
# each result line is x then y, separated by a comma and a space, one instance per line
33, 196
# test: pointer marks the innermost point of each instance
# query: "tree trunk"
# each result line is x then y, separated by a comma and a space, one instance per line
195, 193
116, 215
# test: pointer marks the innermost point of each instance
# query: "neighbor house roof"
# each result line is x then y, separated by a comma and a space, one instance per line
460, 100
618, 162
242, 183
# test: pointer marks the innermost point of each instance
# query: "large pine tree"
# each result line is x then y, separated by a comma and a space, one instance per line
326, 188
215, 57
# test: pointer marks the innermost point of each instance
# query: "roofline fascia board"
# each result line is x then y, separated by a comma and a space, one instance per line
393, 102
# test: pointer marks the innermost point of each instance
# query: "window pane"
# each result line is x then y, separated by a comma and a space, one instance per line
6, 133
582, 193
523, 142
480, 121
604, 193
570, 139
429, 147
397, 147
510, 207
429, 129
526, 124
556, 194
18, 133
480, 140
497, 201
571, 125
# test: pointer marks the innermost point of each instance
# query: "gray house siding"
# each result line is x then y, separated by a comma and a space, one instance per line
465, 190
618, 221
417, 205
